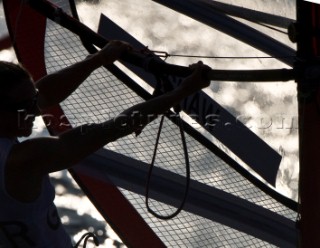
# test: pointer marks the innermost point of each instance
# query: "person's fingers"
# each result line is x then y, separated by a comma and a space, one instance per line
121, 44
196, 65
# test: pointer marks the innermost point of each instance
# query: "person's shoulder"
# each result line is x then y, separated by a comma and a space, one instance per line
6, 141
5, 146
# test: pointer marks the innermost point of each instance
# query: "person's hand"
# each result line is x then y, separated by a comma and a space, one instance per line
113, 51
197, 80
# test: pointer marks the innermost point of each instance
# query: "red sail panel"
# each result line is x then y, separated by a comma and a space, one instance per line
308, 51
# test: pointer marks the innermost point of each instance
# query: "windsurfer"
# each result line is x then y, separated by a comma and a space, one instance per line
28, 216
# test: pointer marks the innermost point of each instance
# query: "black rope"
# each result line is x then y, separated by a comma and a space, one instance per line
164, 85
179, 209
166, 55
85, 237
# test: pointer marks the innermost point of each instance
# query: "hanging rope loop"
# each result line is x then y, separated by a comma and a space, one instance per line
164, 85
85, 238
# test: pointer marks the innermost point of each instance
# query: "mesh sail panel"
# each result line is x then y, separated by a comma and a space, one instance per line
102, 96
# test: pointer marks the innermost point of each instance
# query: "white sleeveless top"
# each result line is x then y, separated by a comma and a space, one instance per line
35, 224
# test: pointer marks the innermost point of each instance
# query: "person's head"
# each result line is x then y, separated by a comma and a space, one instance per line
18, 100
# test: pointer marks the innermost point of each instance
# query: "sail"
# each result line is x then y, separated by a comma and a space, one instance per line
226, 205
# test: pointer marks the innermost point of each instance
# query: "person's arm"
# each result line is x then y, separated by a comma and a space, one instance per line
57, 86
50, 154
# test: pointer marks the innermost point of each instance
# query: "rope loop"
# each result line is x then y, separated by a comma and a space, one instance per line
85, 237
185, 149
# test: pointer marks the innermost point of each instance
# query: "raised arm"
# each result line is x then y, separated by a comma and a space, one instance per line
57, 86
56, 153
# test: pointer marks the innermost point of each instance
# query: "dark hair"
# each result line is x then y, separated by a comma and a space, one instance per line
10, 76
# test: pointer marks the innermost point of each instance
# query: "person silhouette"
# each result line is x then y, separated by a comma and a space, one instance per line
28, 216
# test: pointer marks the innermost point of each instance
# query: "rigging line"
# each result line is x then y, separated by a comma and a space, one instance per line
167, 55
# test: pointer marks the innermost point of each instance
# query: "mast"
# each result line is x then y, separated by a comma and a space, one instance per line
308, 50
